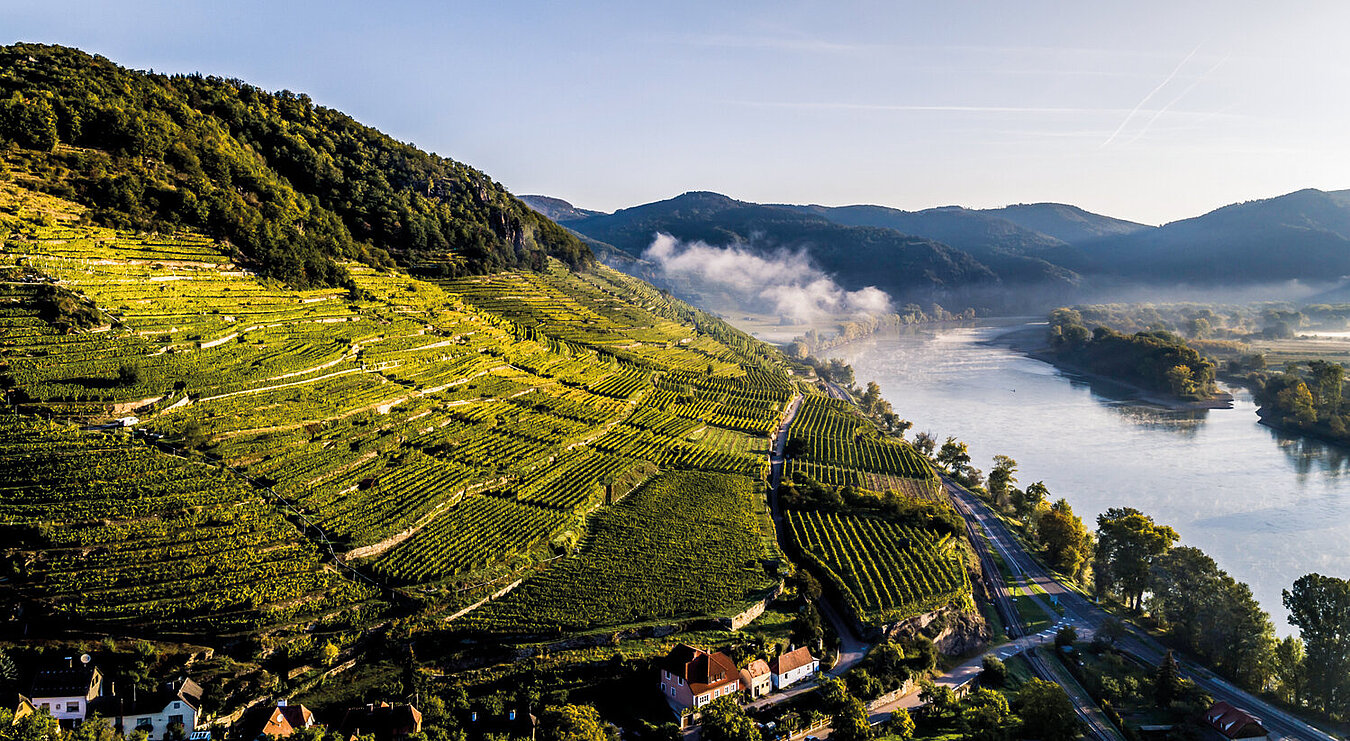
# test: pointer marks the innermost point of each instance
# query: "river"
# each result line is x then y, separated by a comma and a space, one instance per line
1268, 507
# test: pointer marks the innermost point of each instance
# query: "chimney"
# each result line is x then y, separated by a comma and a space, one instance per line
70, 662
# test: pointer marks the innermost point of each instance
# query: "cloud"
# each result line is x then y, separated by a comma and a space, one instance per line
784, 283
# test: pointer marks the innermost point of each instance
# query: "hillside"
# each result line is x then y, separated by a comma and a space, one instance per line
404, 445
294, 188
1302, 236
1068, 224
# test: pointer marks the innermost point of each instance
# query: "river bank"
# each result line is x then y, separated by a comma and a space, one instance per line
1267, 506
1032, 342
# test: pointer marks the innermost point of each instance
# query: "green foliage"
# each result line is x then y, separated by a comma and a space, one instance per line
572, 723
985, 715
993, 672
1319, 606
1213, 616
1167, 684
725, 720
1047, 711
1155, 360
1067, 542
1128, 541
849, 721
294, 185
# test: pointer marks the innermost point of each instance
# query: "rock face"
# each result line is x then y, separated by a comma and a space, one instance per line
954, 632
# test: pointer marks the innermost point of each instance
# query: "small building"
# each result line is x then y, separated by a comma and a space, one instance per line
691, 678
21, 706
278, 721
757, 679
384, 721
792, 667
65, 690
172, 706
1234, 722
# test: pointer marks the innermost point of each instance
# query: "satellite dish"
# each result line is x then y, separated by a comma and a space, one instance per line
86, 658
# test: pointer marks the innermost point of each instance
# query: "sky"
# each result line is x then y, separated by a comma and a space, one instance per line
1150, 111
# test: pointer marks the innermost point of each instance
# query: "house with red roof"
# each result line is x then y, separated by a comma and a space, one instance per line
1234, 722
691, 678
792, 667
264, 723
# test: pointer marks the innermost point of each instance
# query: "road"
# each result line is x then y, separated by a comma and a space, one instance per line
1081, 612
977, 523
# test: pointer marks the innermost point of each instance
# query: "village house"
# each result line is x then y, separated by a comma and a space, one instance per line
278, 721
792, 667
757, 679
1234, 722
691, 678
172, 706
384, 721
66, 689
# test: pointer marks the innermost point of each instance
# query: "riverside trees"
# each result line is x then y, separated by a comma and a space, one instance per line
1320, 607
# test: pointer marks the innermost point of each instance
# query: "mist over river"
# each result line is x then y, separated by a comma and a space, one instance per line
1268, 507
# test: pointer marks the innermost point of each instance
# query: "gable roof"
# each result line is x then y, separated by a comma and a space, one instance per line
701, 670
182, 689
277, 720
384, 721
1234, 722
791, 660
64, 681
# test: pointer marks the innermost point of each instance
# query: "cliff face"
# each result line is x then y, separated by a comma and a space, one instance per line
954, 632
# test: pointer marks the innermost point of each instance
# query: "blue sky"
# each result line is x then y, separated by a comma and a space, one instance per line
1151, 111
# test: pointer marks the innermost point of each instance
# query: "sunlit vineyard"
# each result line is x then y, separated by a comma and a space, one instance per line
110, 531
684, 545
885, 571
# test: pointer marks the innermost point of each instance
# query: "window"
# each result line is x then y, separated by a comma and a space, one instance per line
175, 719
72, 707
672, 691
46, 707
177, 705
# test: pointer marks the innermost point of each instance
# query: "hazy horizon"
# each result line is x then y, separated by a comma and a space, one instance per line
1150, 113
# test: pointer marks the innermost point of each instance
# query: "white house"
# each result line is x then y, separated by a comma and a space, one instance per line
65, 690
792, 667
175, 703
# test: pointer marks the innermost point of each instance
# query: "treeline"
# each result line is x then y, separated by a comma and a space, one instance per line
1154, 360
1307, 397
292, 185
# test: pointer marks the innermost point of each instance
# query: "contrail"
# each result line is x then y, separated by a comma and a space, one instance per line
1149, 97
1177, 99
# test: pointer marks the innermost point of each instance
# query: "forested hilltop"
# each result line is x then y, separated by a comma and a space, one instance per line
293, 187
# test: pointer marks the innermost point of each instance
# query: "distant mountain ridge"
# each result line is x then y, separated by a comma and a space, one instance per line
1043, 252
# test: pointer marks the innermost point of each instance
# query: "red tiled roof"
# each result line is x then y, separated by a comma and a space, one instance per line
791, 660
701, 670
1233, 722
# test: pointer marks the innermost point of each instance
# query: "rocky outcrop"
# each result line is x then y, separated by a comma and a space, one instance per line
954, 632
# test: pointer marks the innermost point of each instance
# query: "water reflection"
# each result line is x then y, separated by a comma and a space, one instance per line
1309, 455
1224, 481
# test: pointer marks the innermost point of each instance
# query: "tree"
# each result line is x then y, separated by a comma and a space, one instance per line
1066, 636
902, 725
1291, 670
1001, 478
954, 455
863, 685
29, 122
833, 693
1047, 711
1320, 607
924, 443
993, 673
581, 723
1065, 538
725, 720
1182, 379
870, 398
129, 373
1167, 681
940, 699
1213, 615
985, 715
1328, 379
849, 722
1127, 543
1031, 499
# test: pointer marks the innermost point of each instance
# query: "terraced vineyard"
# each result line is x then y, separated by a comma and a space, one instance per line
438, 434
684, 545
840, 447
110, 532
886, 572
